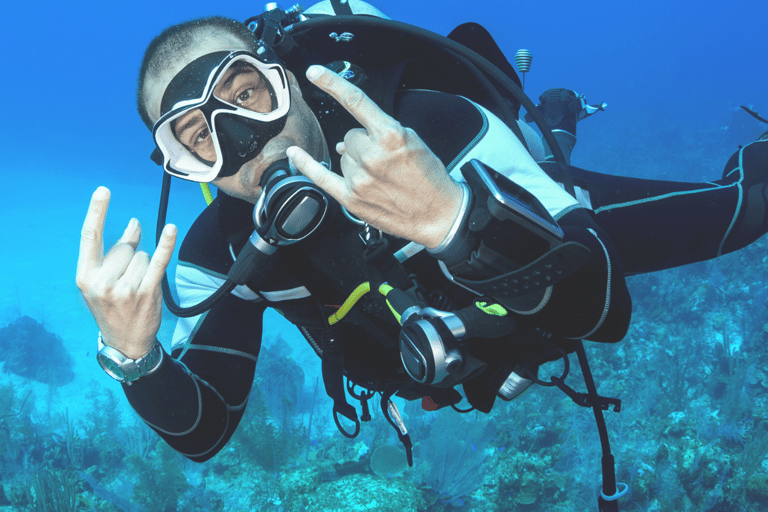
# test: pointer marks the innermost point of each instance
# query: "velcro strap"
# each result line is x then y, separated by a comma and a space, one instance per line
551, 268
333, 378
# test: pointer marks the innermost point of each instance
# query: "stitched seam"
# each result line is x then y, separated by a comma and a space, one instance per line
607, 288
241, 406
540, 306
471, 145
655, 198
223, 433
191, 335
197, 381
567, 210
740, 168
197, 421
223, 350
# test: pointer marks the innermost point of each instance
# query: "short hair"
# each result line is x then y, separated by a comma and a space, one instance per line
167, 51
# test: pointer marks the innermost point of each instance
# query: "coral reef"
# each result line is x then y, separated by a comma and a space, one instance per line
388, 460
30, 350
692, 433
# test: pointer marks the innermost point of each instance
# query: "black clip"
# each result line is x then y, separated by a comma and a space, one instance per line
370, 235
583, 399
363, 397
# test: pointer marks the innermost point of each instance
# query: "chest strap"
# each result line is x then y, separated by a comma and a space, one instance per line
333, 379
383, 266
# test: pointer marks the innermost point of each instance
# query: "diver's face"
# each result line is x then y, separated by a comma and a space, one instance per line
301, 129
241, 85
245, 87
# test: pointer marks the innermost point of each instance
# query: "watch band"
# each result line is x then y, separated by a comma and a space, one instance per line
149, 364
124, 369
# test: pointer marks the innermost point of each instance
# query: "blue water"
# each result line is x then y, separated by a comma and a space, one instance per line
673, 75
70, 68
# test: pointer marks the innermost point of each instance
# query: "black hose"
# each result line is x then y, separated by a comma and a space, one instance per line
458, 50
472, 60
170, 302
608, 463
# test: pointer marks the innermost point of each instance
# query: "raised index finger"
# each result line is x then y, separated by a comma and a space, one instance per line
92, 234
355, 101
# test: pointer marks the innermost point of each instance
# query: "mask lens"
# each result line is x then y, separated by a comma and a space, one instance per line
244, 86
192, 131
224, 122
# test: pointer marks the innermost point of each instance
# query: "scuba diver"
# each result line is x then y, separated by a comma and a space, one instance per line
433, 247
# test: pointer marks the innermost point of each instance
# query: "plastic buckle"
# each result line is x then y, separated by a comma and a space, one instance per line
363, 397
583, 400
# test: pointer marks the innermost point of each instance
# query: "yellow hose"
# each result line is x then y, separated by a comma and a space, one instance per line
207, 193
356, 294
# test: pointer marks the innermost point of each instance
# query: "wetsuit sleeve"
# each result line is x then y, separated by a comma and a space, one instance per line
197, 397
592, 303
658, 225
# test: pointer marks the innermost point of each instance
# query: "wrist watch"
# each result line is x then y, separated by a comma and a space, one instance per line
124, 369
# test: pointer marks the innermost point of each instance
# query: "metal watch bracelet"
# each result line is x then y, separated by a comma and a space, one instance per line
124, 369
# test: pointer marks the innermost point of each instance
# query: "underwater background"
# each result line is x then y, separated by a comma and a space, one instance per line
692, 434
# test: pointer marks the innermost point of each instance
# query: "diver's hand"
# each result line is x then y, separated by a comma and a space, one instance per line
391, 179
122, 288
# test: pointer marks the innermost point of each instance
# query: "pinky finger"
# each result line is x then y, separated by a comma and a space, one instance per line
340, 148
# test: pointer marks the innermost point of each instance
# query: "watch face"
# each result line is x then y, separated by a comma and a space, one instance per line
111, 367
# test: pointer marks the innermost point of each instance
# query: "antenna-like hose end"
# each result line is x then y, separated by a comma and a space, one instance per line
523, 60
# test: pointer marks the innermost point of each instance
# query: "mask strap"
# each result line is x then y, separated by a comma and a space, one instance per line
341, 7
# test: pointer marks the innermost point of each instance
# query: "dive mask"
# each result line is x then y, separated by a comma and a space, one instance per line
220, 111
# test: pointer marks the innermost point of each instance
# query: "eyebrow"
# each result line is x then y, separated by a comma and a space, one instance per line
192, 119
236, 71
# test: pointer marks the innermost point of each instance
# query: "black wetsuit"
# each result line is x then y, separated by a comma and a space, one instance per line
197, 397
658, 225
